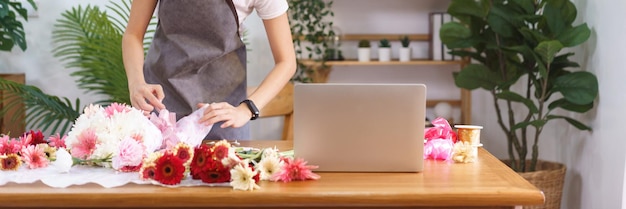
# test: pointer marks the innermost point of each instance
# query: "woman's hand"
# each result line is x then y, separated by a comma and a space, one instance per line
231, 116
147, 97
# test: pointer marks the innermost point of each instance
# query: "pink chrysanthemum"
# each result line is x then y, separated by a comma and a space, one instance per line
57, 141
295, 170
9, 146
85, 145
34, 156
115, 108
130, 154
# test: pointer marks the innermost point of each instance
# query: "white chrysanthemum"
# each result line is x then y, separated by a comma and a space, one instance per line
242, 178
107, 146
268, 166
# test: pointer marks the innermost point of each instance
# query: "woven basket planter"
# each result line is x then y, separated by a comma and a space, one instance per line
548, 178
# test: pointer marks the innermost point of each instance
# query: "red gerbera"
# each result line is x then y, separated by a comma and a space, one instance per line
220, 150
256, 177
35, 137
147, 172
169, 169
10, 162
200, 157
215, 172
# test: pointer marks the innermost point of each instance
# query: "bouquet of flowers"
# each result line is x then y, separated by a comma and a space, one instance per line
159, 148
221, 162
117, 136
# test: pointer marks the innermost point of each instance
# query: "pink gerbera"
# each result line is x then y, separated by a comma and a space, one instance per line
34, 156
57, 141
295, 170
115, 108
85, 145
8, 145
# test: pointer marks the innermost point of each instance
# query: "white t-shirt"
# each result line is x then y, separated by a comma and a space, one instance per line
266, 9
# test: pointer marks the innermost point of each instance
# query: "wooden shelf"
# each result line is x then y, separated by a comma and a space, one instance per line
454, 103
390, 37
378, 37
393, 62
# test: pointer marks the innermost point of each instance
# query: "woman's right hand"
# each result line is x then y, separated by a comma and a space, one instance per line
147, 97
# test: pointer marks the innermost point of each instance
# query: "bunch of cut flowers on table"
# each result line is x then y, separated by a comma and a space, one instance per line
441, 144
158, 148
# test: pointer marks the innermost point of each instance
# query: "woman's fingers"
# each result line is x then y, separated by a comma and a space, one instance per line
222, 112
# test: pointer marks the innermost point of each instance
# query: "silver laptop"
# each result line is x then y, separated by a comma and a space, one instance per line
360, 127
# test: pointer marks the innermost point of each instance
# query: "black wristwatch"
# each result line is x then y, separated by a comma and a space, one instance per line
253, 109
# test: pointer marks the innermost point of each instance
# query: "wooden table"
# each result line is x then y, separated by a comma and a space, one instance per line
487, 183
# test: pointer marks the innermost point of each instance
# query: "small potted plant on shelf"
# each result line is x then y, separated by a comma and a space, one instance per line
364, 51
384, 51
405, 51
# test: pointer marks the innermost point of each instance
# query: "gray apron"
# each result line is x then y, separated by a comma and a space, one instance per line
198, 57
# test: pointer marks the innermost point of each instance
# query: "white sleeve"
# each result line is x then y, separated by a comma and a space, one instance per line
268, 9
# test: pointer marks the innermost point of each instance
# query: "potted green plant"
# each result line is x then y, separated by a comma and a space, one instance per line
11, 28
404, 53
311, 26
517, 45
364, 51
384, 50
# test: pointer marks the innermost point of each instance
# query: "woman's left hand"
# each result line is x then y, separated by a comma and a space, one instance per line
231, 116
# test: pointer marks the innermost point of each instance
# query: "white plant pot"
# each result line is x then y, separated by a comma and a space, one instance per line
405, 54
384, 54
364, 54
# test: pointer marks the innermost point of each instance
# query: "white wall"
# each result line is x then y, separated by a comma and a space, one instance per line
596, 161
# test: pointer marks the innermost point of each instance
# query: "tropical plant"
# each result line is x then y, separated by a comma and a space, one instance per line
89, 40
11, 29
310, 23
519, 44
404, 41
384, 43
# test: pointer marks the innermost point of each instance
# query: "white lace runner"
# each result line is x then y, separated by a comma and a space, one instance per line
79, 175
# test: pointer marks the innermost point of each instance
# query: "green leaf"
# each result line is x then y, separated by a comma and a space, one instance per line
563, 103
42, 109
526, 5
573, 122
547, 50
455, 35
476, 75
512, 96
575, 36
559, 15
579, 87
468, 7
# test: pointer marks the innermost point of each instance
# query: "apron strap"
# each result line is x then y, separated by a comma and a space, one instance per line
232, 8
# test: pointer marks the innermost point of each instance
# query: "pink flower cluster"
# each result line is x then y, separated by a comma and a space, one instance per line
31, 149
440, 140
